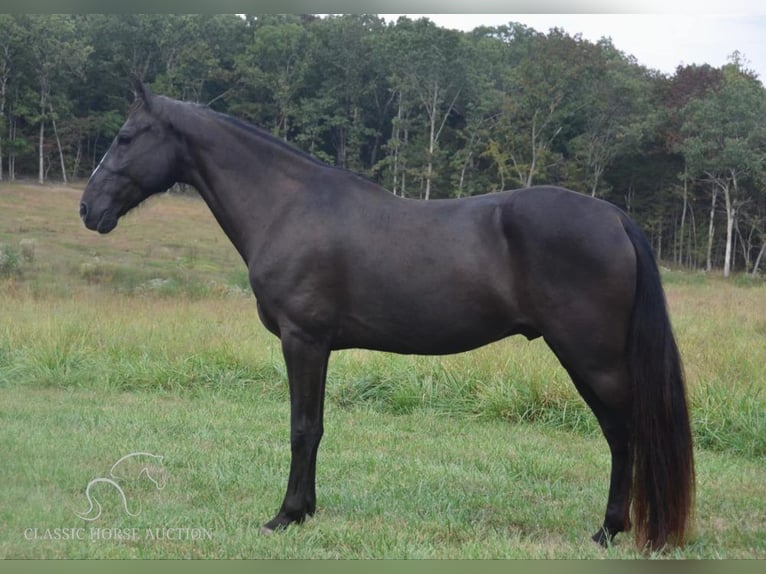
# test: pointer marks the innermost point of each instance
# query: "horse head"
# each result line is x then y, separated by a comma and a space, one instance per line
142, 160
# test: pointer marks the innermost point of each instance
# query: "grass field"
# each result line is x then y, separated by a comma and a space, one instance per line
147, 340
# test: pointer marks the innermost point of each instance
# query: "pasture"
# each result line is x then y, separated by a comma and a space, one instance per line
147, 340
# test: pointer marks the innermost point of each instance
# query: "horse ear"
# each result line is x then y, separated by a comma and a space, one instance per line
141, 92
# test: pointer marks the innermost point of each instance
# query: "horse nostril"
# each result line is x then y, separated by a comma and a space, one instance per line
83, 210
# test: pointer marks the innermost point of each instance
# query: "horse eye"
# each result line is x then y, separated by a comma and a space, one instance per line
124, 139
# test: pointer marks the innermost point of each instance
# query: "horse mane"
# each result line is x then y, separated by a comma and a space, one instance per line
268, 136
250, 128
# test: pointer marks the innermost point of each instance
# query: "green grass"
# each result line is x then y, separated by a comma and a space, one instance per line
419, 485
147, 340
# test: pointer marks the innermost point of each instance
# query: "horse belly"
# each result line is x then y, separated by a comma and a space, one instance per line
411, 339
444, 319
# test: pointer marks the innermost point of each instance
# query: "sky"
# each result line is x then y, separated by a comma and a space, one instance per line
660, 41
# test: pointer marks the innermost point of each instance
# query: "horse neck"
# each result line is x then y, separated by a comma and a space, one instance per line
246, 178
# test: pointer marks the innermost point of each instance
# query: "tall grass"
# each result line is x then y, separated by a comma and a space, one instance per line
515, 380
721, 333
109, 341
104, 340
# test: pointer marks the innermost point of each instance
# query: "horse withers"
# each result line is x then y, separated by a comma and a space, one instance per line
336, 262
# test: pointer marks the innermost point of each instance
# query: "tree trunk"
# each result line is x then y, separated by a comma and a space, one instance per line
397, 144
533, 163
405, 142
58, 144
430, 165
659, 244
3, 89
538, 146
77, 159
596, 178
340, 156
683, 219
758, 259
675, 238
731, 213
629, 197
691, 248
11, 155
432, 109
466, 163
382, 117
461, 181
711, 229
745, 245
41, 172
431, 140
41, 162
47, 169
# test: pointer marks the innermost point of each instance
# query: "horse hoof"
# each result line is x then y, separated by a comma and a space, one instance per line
602, 538
266, 531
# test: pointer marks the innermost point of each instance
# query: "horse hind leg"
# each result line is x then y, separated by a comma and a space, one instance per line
606, 390
614, 422
614, 425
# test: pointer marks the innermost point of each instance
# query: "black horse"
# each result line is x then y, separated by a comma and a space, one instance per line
336, 262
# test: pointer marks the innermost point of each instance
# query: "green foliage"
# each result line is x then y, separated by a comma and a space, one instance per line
424, 111
725, 127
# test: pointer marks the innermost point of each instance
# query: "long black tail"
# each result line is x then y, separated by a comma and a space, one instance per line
663, 459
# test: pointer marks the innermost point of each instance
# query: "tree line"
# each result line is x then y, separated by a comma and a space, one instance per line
425, 111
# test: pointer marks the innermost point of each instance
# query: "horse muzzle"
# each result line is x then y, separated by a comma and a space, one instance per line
103, 223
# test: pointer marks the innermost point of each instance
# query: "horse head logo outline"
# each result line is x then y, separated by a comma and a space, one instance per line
148, 469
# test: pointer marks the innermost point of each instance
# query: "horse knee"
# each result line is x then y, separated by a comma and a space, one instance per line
306, 437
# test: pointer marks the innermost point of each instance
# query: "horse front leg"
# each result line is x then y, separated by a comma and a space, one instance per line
306, 361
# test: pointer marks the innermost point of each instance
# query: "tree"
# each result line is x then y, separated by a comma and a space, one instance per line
59, 54
272, 70
347, 71
481, 103
614, 115
543, 99
195, 51
724, 134
430, 70
12, 43
673, 94
424, 111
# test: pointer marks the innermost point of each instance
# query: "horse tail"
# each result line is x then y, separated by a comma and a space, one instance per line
661, 441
